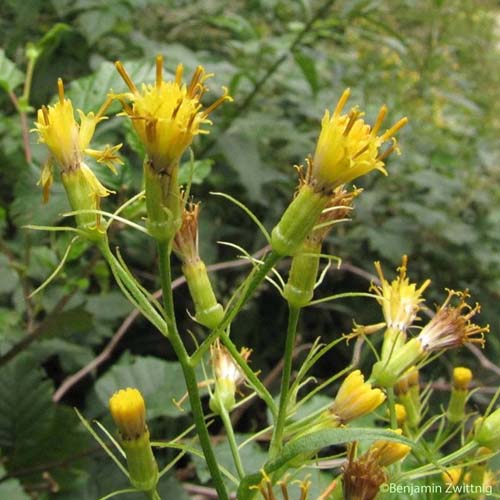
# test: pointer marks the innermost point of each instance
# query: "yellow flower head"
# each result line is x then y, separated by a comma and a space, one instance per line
167, 115
355, 398
185, 242
129, 413
68, 141
389, 452
452, 326
348, 148
400, 300
461, 378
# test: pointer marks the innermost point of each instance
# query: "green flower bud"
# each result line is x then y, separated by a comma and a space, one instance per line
208, 311
487, 431
298, 220
129, 414
299, 289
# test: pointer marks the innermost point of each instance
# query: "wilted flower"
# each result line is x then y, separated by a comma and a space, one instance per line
228, 376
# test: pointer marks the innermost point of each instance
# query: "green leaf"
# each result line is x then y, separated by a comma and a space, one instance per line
196, 172
252, 457
10, 76
108, 307
90, 92
308, 68
95, 23
10, 278
314, 442
12, 490
25, 403
159, 382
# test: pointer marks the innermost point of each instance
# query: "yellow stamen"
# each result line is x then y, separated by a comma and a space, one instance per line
218, 102
159, 70
60, 90
342, 101
45, 113
126, 78
195, 81
397, 126
353, 116
103, 108
178, 74
380, 118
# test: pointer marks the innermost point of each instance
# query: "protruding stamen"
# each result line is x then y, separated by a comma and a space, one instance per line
126, 78
397, 126
45, 112
224, 97
103, 108
60, 90
380, 118
198, 74
159, 71
343, 99
178, 74
177, 107
387, 152
353, 116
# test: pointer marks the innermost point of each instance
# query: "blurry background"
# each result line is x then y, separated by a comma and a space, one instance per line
434, 61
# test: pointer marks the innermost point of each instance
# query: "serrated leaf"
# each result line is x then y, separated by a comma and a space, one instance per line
26, 407
10, 76
159, 381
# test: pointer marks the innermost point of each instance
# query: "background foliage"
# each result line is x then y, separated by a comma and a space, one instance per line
435, 61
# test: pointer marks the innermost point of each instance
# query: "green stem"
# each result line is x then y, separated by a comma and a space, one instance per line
188, 371
232, 441
250, 375
279, 428
154, 495
252, 281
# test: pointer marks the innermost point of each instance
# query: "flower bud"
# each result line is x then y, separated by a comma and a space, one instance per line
299, 289
487, 431
129, 414
355, 398
459, 392
208, 311
298, 220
